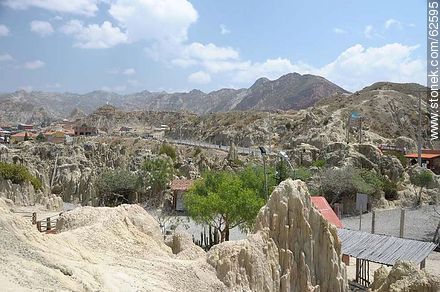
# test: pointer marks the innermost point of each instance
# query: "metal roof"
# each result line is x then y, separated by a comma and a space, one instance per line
383, 249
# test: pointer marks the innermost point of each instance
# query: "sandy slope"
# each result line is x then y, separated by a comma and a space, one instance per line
98, 249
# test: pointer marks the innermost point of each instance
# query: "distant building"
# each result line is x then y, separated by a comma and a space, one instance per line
179, 187
430, 159
57, 137
85, 130
25, 127
19, 137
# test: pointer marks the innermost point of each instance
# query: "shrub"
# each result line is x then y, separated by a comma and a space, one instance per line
302, 173
18, 174
197, 151
41, 138
117, 186
320, 163
403, 160
168, 150
390, 189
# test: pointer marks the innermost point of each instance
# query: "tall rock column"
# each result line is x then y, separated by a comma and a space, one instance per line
293, 249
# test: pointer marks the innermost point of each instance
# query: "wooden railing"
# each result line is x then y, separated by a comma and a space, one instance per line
47, 225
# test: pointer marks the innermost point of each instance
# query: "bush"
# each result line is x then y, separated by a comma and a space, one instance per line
320, 163
18, 174
302, 173
197, 151
117, 186
168, 150
390, 189
403, 160
41, 138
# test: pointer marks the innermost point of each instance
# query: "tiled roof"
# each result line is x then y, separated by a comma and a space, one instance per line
181, 184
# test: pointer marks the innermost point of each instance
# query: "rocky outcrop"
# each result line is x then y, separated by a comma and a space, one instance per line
293, 249
404, 276
25, 195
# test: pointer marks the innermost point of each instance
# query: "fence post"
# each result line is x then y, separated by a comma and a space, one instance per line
402, 223
48, 227
373, 221
39, 225
34, 218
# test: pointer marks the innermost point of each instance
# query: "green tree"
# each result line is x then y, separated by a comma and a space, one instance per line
40, 138
283, 171
225, 200
348, 181
422, 179
117, 186
168, 150
156, 173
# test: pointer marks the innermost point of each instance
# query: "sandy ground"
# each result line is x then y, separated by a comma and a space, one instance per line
98, 249
420, 223
432, 266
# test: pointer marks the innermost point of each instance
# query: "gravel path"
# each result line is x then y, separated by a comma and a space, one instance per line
420, 223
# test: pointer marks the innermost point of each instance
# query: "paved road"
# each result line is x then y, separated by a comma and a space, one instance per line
240, 150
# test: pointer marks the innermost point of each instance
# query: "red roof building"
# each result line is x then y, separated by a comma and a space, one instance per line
327, 212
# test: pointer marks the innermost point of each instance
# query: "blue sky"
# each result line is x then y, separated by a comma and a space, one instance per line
177, 45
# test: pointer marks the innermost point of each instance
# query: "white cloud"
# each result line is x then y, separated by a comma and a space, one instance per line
368, 31
95, 36
392, 23
154, 20
4, 30
43, 28
359, 66
338, 30
209, 52
32, 65
271, 68
129, 71
5, 57
224, 29
82, 7
353, 69
199, 77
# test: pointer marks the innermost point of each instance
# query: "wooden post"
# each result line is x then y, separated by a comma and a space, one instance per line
34, 218
402, 223
48, 227
373, 221
39, 225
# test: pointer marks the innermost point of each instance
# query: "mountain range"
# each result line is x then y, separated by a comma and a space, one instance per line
291, 91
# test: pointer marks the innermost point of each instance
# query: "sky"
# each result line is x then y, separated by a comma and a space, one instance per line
177, 45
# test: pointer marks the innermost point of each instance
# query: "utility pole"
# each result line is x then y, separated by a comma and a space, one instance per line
263, 154
419, 134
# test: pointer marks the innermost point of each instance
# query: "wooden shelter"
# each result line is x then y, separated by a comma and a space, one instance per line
381, 249
179, 188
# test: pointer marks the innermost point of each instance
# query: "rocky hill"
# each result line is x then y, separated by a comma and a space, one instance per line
389, 110
291, 91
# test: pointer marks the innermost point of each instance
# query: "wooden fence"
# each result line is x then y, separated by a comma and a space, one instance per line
47, 225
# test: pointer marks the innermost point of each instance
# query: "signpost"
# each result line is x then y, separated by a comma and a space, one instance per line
361, 206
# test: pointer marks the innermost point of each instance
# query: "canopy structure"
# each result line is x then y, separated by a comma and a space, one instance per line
383, 249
